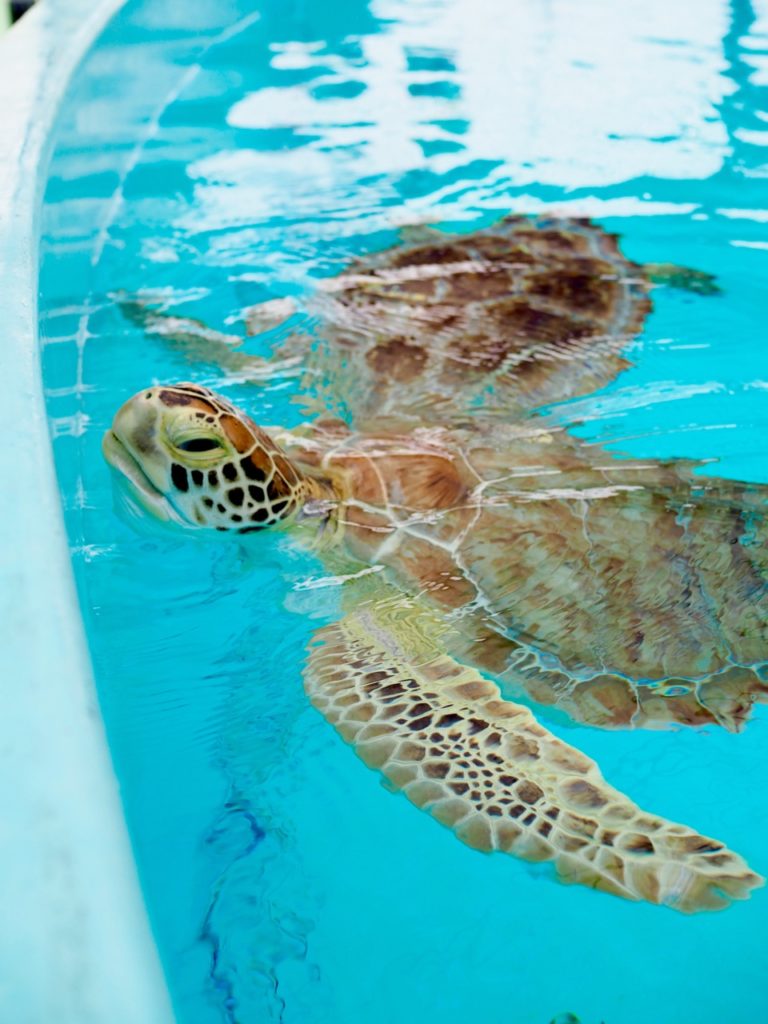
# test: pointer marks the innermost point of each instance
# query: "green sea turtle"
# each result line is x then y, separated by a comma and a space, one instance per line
515, 560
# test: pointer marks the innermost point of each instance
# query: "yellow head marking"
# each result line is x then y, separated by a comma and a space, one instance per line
189, 456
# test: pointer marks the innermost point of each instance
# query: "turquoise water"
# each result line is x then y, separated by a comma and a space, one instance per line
234, 155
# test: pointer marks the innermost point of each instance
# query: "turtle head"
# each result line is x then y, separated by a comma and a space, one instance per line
185, 455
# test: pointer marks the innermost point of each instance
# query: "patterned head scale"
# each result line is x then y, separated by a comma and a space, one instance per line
188, 456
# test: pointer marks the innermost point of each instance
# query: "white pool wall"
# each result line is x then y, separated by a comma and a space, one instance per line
75, 942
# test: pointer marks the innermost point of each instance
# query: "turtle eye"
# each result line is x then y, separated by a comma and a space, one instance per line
199, 444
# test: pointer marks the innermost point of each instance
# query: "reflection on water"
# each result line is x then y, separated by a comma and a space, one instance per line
235, 159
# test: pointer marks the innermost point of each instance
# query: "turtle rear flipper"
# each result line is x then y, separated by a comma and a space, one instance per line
488, 770
684, 278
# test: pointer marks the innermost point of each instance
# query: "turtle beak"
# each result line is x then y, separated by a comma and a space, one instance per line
132, 450
135, 493
134, 433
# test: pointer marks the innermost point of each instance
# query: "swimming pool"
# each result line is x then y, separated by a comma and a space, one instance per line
239, 155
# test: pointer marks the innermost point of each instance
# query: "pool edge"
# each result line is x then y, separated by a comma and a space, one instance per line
76, 947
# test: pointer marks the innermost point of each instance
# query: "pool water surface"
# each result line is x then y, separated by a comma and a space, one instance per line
225, 154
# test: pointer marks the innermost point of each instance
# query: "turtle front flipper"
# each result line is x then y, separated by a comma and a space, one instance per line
685, 278
488, 770
198, 343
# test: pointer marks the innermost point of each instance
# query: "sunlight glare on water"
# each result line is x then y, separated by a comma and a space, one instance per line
224, 156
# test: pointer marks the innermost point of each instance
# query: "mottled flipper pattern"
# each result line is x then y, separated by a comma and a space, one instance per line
484, 767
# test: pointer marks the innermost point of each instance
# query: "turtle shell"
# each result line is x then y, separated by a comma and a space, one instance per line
625, 592
528, 312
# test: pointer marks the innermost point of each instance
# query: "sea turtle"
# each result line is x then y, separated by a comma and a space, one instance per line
516, 561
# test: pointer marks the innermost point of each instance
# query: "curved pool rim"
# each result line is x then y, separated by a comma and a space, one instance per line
76, 946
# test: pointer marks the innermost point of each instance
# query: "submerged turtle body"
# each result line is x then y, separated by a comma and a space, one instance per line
528, 312
495, 323
623, 593
564, 567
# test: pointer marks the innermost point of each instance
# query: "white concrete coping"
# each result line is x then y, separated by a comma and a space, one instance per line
75, 944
